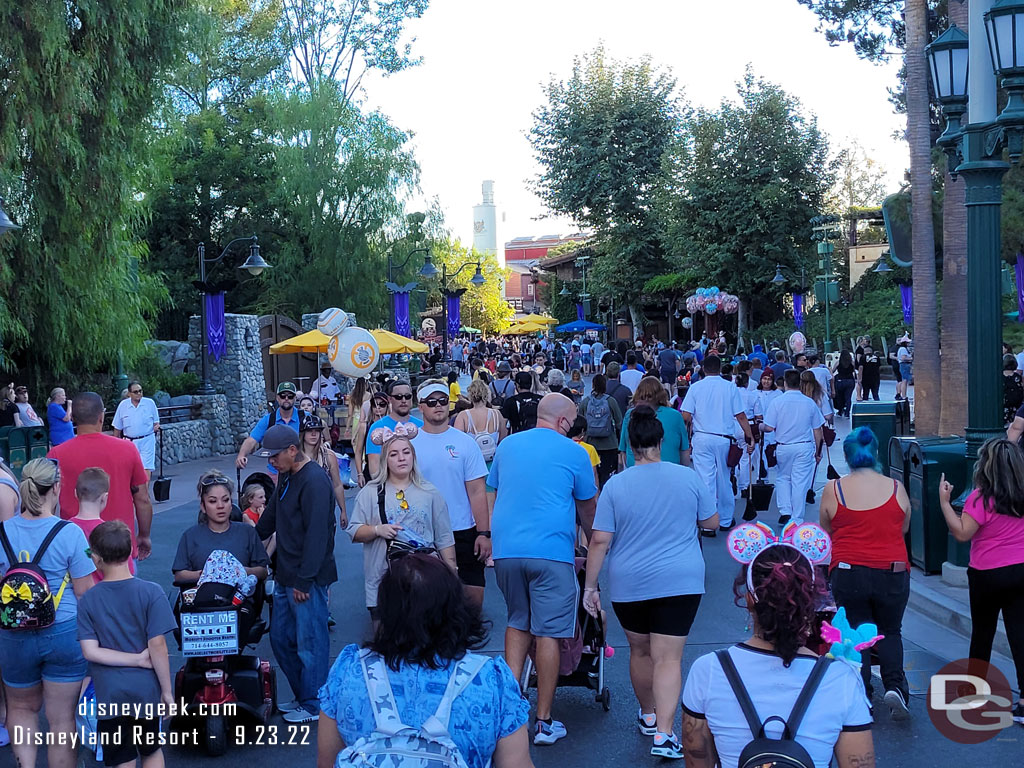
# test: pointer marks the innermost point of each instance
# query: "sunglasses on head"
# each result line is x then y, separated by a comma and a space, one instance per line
406, 396
216, 480
433, 402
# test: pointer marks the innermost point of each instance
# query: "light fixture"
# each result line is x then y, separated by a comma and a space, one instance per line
947, 61
478, 279
5, 221
883, 264
255, 263
428, 269
676, 314
565, 291
779, 278
1004, 26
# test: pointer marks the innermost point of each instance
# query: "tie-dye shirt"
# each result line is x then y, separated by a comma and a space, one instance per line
491, 708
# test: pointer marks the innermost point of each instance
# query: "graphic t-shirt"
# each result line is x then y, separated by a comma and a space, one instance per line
450, 460
198, 542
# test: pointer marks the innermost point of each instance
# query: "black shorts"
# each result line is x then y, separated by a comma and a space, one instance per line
122, 744
471, 570
661, 616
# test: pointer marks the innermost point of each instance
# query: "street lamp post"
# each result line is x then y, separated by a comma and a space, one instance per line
254, 264
780, 279
825, 229
429, 270
392, 288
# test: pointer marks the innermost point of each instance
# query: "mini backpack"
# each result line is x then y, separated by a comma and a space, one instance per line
392, 744
599, 416
25, 598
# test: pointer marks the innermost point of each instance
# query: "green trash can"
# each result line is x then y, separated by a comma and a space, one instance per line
885, 421
38, 442
899, 467
928, 459
18, 441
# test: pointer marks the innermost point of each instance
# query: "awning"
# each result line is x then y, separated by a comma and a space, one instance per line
314, 341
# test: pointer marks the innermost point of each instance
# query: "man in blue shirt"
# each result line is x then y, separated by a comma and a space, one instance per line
543, 482
286, 414
400, 405
780, 366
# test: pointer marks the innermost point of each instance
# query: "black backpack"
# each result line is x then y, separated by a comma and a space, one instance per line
765, 752
526, 412
498, 398
26, 600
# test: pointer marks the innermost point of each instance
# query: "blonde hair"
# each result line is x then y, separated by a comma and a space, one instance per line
38, 478
249, 493
384, 473
810, 386
479, 392
53, 394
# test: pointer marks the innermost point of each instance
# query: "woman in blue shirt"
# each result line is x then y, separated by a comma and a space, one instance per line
676, 446
426, 627
58, 417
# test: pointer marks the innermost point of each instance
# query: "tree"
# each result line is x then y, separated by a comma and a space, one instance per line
927, 365
758, 172
482, 306
77, 82
860, 180
605, 140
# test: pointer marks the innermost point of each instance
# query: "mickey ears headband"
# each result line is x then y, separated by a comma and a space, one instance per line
747, 541
381, 435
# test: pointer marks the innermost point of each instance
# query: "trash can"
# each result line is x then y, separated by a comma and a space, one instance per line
928, 459
885, 420
899, 467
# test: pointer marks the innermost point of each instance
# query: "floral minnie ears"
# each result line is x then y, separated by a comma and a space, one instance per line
747, 541
381, 435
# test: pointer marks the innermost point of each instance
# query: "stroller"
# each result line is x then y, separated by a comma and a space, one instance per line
215, 623
581, 662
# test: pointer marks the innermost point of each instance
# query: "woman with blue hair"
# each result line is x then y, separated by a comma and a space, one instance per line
867, 514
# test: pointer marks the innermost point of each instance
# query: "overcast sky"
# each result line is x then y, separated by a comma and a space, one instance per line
470, 102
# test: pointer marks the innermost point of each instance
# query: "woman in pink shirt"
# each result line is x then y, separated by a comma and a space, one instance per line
993, 521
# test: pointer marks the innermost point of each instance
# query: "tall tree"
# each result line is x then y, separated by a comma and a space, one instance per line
954, 285
759, 171
927, 366
605, 139
77, 82
860, 180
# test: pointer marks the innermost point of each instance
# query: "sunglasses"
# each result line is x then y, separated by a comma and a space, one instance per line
134, 391
217, 480
286, 395
402, 503
407, 396
433, 402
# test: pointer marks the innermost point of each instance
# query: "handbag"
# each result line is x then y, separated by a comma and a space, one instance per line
734, 456
769, 455
398, 549
828, 435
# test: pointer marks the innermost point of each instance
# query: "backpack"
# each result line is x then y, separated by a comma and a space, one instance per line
25, 598
488, 445
396, 745
599, 416
498, 398
526, 412
1013, 392
786, 752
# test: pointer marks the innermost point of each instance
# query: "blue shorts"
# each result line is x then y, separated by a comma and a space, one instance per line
587, 358
52, 654
906, 371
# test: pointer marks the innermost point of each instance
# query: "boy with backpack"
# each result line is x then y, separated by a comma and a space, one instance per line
521, 408
604, 420
121, 626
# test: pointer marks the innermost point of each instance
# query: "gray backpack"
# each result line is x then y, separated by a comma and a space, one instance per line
599, 416
392, 744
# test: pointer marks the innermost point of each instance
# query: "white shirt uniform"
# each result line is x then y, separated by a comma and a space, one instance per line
743, 471
137, 423
630, 377
713, 403
324, 386
794, 417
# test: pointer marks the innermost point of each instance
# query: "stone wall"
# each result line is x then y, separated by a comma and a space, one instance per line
238, 376
185, 441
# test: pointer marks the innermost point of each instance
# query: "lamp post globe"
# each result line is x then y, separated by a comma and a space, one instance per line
1004, 27
255, 264
428, 269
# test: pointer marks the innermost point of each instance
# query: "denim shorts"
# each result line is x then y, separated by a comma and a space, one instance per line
52, 654
906, 371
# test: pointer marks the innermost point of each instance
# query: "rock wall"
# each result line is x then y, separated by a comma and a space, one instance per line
186, 441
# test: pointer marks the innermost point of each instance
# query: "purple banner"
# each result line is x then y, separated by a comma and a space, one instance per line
401, 305
579, 312
907, 297
216, 340
798, 309
1020, 287
454, 314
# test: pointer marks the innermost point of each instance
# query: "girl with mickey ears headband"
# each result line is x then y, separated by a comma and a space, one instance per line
778, 586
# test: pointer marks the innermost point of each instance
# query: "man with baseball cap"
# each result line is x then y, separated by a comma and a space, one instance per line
286, 413
452, 460
399, 407
301, 513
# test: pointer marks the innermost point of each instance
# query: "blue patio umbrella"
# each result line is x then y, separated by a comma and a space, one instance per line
579, 326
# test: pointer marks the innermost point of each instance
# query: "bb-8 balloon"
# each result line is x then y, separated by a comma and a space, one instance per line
353, 352
332, 321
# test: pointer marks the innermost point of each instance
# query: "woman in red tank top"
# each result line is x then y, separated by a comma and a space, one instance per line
867, 514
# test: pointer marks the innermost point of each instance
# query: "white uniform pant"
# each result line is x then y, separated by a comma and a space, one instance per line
147, 451
710, 454
743, 468
794, 478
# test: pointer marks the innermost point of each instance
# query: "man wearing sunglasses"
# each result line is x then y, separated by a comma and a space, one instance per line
451, 460
286, 413
399, 408
137, 419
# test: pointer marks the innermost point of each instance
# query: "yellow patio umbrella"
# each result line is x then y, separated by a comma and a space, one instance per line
542, 319
392, 344
310, 341
524, 328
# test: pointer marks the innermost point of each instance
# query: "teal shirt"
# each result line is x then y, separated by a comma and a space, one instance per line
675, 441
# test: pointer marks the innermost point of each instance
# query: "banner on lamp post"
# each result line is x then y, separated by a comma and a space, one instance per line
454, 313
401, 305
907, 299
579, 312
216, 338
798, 309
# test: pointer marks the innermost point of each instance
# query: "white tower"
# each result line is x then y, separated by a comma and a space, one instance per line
485, 230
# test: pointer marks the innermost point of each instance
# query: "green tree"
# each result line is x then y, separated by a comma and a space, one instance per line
605, 140
759, 171
77, 82
482, 306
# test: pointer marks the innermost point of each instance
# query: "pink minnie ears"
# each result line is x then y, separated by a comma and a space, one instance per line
747, 541
381, 435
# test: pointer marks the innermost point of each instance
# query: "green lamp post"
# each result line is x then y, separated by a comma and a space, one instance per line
826, 290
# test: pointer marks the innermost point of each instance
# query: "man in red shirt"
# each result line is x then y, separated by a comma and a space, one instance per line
129, 489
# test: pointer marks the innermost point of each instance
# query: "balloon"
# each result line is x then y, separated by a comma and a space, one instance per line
711, 308
353, 352
797, 341
687, 322
332, 321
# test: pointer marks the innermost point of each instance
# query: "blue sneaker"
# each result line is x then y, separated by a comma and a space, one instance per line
667, 746
548, 733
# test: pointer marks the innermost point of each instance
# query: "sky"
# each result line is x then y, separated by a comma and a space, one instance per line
469, 105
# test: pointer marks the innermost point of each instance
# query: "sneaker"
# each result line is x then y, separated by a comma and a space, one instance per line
667, 745
728, 527
331, 623
783, 519
646, 723
300, 715
548, 733
1018, 713
289, 706
897, 703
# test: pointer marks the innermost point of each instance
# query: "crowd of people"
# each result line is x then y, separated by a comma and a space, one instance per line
628, 474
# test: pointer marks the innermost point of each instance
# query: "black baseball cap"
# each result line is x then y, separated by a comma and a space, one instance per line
278, 438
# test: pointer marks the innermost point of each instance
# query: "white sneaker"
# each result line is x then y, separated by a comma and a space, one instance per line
897, 704
647, 724
289, 706
300, 715
548, 734
667, 746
